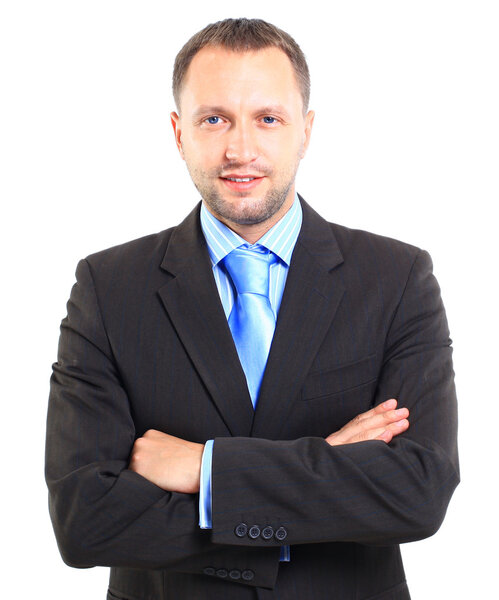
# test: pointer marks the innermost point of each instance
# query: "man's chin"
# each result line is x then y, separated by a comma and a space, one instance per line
250, 214
244, 209
249, 219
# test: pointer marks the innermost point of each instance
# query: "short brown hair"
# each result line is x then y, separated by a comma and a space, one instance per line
241, 35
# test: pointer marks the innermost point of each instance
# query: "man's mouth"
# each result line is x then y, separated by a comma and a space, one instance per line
239, 179
242, 184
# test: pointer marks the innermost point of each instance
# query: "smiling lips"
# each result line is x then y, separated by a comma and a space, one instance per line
241, 183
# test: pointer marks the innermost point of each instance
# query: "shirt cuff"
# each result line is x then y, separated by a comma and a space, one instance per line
285, 554
205, 487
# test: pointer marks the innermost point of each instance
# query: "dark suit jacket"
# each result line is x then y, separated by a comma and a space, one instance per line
146, 345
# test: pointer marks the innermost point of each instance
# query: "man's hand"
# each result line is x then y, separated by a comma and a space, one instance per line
382, 422
170, 462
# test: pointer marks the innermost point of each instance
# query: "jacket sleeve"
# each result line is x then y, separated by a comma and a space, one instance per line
102, 512
367, 492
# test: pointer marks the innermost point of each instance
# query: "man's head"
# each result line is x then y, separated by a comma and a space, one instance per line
242, 35
241, 88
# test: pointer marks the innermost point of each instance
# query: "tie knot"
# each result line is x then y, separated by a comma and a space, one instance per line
249, 269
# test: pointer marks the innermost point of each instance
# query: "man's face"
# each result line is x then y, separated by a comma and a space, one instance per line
242, 132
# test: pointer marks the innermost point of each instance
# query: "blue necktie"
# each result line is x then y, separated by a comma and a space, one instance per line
252, 320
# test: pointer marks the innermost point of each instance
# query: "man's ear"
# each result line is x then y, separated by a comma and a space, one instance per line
175, 119
309, 121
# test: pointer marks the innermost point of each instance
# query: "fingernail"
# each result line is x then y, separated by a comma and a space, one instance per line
392, 403
400, 412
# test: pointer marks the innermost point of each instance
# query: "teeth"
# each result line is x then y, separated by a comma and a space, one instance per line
240, 180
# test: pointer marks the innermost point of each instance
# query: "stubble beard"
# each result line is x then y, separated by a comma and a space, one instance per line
248, 210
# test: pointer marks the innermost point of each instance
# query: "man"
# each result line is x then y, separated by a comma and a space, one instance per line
204, 448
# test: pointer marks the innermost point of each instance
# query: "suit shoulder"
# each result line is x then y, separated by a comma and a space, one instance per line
133, 255
373, 247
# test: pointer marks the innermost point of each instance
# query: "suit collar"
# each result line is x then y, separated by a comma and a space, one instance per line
188, 242
317, 238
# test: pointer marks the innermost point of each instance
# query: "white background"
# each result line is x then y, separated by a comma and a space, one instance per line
405, 144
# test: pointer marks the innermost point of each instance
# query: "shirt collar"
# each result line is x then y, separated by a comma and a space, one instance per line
280, 239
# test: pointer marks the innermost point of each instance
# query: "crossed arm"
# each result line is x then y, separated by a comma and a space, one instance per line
174, 464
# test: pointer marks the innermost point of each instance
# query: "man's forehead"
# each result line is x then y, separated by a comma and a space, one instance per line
215, 68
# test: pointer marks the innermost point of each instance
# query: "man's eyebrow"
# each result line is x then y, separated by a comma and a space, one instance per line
213, 109
209, 109
274, 109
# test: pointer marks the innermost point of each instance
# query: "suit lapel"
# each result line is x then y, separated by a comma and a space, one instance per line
311, 298
193, 304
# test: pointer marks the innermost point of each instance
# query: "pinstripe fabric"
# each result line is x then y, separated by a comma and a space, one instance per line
146, 345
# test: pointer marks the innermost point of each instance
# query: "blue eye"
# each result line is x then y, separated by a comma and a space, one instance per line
269, 120
213, 120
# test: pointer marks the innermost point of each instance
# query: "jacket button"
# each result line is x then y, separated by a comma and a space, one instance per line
241, 530
248, 575
281, 534
222, 573
209, 571
235, 574
267, 532
254, 532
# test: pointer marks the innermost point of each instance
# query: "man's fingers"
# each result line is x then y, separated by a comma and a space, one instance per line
386, 436
379, 409
382, 422
373, 421
398, 426
383, 433
392, 430
387, 405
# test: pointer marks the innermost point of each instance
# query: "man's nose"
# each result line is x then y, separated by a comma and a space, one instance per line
242, 144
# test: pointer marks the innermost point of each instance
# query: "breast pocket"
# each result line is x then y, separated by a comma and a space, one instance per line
340, 379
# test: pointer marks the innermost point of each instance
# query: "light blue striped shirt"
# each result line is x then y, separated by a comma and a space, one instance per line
221, 240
